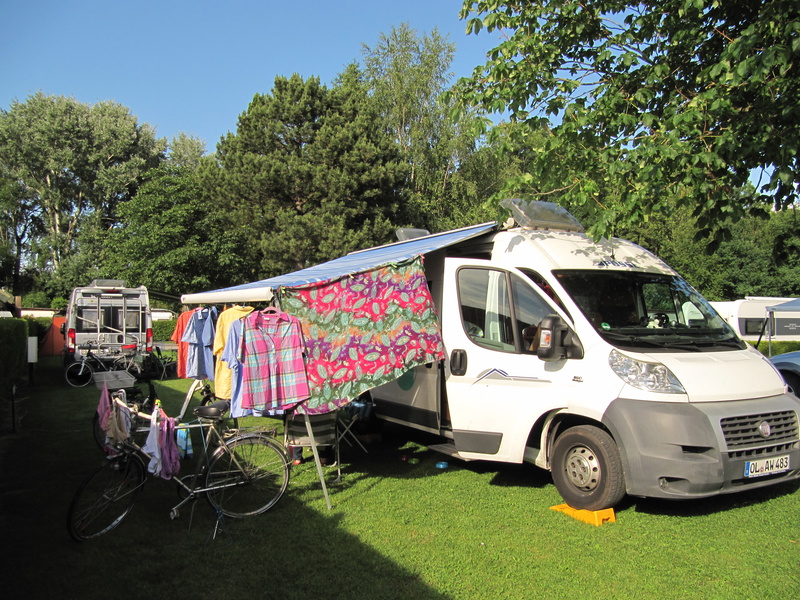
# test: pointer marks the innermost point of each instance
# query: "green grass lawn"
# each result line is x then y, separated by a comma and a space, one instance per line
399, 528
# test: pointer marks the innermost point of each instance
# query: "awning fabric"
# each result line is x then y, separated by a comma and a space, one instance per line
364, 330
790, 306
356, 262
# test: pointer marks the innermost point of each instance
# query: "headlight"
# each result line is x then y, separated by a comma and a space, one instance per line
650, 377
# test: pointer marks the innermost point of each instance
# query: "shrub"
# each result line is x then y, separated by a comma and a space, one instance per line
13, 352
162, 330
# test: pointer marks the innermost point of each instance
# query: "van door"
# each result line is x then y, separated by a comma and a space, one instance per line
496, 385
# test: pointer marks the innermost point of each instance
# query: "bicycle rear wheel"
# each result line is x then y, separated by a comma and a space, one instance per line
78, 374
105, 498
249, 479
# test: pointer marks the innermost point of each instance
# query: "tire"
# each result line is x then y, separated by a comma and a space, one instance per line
105, 498
79, 374
793, 381
587, 468
258, 488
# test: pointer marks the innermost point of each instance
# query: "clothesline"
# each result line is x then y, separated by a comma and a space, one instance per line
327, 344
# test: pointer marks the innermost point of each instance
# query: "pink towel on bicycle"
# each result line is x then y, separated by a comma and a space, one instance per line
104, 407
165, 460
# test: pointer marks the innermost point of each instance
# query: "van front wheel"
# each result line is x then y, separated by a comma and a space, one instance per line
587, 469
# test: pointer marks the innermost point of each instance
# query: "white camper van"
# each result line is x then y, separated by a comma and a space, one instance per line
105, 316
595, 361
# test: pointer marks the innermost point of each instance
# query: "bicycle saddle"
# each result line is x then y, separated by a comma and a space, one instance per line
215, 410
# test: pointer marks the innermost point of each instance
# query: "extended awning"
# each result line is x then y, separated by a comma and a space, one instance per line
355, 262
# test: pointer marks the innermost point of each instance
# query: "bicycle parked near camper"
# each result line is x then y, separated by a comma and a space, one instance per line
81, 372
240, 473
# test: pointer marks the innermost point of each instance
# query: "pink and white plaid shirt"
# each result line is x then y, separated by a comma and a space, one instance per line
273, 364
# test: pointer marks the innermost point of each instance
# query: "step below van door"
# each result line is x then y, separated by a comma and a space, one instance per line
496, 385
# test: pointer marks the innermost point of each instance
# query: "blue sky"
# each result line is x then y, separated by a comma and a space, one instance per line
194, 66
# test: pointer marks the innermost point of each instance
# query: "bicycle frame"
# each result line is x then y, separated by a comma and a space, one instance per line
212, 435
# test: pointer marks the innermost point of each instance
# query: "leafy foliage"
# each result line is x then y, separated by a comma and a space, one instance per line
407, 75
173, 240
75, 163
647, 104
309, 174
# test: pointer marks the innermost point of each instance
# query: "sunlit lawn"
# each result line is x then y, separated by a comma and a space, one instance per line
399, 528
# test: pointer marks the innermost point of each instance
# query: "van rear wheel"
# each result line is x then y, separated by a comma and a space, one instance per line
587, 468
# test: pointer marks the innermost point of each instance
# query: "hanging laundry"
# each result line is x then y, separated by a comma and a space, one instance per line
364, 330
177, 337
222, 369
273, 364
199, 335
162, 446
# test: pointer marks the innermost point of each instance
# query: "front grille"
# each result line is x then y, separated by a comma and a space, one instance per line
742, 433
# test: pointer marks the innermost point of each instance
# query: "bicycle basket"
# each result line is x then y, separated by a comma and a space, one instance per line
114, 379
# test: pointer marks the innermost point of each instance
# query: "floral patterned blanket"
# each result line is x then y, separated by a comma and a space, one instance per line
364, 330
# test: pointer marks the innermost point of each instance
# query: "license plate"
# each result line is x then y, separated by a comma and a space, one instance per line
767, 466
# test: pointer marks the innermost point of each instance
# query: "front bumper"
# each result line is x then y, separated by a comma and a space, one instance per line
684, 450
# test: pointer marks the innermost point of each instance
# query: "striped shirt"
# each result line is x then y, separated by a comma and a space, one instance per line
273, 364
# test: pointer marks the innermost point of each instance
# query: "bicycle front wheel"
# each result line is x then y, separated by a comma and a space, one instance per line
78, 374
105, 498
247, 477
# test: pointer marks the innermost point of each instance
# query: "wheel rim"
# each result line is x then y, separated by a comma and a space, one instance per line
582, 468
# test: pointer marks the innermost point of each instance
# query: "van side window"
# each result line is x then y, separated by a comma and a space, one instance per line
499, 310
529, 309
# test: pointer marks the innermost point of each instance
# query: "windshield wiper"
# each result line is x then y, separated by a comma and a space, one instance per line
633, 339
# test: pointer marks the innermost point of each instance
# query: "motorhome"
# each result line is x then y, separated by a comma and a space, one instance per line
592, 359
752, 318
105, 316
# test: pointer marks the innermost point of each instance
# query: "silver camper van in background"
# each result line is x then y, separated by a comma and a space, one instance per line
105, 316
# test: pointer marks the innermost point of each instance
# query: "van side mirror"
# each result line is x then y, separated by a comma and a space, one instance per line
557, 340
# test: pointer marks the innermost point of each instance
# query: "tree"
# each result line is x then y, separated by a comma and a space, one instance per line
20, 222
171, 239
186, 151
309, 174
74, 161
644, 102
407, 75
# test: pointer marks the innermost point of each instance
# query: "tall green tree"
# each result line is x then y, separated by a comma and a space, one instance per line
76, 162
20, 223
407, 74
309, 174
186, 150
172, 239
643, 101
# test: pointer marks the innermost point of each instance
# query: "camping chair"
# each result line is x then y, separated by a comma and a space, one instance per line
323, 428
358, 410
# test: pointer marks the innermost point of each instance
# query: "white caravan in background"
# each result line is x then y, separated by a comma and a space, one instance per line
748, 315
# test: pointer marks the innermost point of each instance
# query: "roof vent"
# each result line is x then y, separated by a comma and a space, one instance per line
409, 233
535, 214
108, 283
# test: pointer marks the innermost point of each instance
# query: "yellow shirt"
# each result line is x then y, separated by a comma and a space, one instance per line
222, 372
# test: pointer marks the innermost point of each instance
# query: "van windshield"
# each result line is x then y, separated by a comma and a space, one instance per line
648, 311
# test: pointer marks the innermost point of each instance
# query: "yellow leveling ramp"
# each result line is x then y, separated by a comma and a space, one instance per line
593, 517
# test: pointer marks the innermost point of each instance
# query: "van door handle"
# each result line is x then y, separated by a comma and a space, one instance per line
458, 362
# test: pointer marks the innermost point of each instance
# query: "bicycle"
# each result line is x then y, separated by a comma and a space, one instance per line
81, 372
240, 473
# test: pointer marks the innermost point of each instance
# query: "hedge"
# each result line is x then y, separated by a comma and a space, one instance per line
162, 330
777, 347
13, 352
